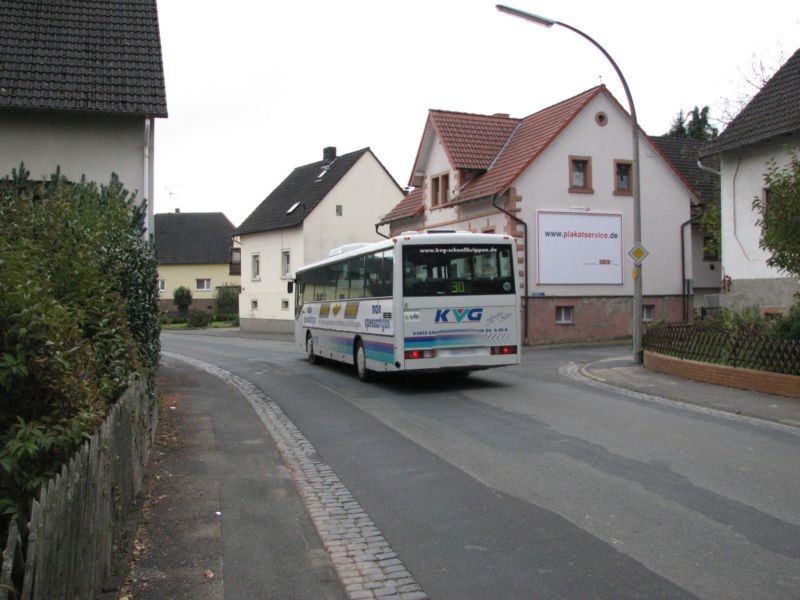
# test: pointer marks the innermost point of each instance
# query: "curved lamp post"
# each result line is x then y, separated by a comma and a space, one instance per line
637, 201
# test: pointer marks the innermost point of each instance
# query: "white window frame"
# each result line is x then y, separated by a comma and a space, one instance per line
648, 313
284, 305
162, 285
286, 264
565, 315
255, 267
204, 288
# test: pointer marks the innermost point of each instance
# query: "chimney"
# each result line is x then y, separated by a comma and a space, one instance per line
329, 153
177, 211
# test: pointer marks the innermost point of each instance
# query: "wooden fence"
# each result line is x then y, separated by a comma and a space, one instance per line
79, 515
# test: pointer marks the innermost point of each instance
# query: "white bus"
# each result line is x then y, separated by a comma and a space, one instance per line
418, 301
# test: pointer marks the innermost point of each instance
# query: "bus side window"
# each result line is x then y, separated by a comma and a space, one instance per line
373, 275
387, 272
357, 277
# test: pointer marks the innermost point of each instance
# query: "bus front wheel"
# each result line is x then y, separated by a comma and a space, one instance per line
312, 358
361, 362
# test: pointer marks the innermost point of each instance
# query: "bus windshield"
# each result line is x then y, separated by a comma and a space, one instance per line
457, 270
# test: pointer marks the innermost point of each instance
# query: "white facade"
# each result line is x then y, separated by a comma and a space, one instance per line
346, 215
81, 144
751, 281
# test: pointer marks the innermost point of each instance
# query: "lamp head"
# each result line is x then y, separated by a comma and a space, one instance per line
544, 21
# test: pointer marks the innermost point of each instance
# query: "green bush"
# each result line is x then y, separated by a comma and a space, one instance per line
182, 297
198, 318
787, 327
227, 297
78, 320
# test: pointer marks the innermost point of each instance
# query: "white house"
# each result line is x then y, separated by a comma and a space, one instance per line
764, 130
318, 207
81, 84
560, 181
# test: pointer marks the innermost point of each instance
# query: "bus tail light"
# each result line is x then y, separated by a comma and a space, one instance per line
416, 354
503, 350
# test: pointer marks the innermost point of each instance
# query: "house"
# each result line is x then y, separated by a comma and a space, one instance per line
318, 207
560, 182
195, 251
762, 131
684, 153
81, 84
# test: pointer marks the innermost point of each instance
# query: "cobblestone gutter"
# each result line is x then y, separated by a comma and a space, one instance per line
364, 560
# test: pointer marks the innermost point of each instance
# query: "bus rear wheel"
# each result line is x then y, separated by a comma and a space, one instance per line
361, 362
313, 359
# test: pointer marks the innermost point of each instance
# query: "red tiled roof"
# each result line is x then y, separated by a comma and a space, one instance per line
526, 143
472, 141
409, 206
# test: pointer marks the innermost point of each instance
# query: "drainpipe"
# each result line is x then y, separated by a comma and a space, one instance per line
379, 233
683, 272
148, 220
527, 279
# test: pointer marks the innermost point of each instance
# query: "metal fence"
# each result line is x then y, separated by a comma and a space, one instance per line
696, 342
79, 515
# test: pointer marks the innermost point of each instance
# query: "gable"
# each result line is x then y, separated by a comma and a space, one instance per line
91, 55
297, 195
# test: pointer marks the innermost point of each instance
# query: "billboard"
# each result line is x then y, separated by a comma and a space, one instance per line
579, 248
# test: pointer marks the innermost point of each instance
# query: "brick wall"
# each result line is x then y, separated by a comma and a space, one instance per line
594, 318
746, 379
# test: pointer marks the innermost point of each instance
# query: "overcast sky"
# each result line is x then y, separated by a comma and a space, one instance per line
257, 88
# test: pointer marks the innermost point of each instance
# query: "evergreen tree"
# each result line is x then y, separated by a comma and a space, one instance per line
678, 129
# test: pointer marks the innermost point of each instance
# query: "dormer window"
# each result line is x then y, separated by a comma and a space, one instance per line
440, 189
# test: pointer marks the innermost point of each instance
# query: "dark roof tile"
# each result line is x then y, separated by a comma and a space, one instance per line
87, 55
773, 112
193, 238
683, 153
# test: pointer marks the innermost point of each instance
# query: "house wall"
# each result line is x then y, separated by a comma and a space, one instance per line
81, 144
751, 280
268, 291
366, 193
601, 311
176, 276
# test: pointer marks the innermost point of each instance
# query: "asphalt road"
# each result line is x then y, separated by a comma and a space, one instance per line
524, 483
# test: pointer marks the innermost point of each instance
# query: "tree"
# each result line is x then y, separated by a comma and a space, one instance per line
678, 128
779, 214
182, 298
699, 128
694, 126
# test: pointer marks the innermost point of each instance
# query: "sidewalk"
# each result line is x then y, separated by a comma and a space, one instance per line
215, 470
622, 372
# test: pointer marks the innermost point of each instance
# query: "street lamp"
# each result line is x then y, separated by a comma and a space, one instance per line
637, 200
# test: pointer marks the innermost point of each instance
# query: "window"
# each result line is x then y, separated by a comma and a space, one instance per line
255, 267
580, 174
366, 276
440, 189
430, 270
648, 313
162, 285
203, 285
286, 265
565, 315
235, 267
253, 304
338, 210
284, 305
623, 177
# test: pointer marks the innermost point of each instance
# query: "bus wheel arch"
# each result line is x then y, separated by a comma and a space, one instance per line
360, 360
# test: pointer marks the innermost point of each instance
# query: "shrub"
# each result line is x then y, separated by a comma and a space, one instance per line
227, 297
182, 297
198, 318
78, 320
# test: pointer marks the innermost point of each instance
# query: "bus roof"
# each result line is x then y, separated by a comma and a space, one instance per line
411, 238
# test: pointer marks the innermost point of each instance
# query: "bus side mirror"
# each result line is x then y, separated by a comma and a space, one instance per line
290, 287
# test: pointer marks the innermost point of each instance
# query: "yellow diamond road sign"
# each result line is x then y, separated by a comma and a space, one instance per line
638, 253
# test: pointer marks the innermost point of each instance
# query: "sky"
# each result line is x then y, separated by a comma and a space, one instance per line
255, 89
